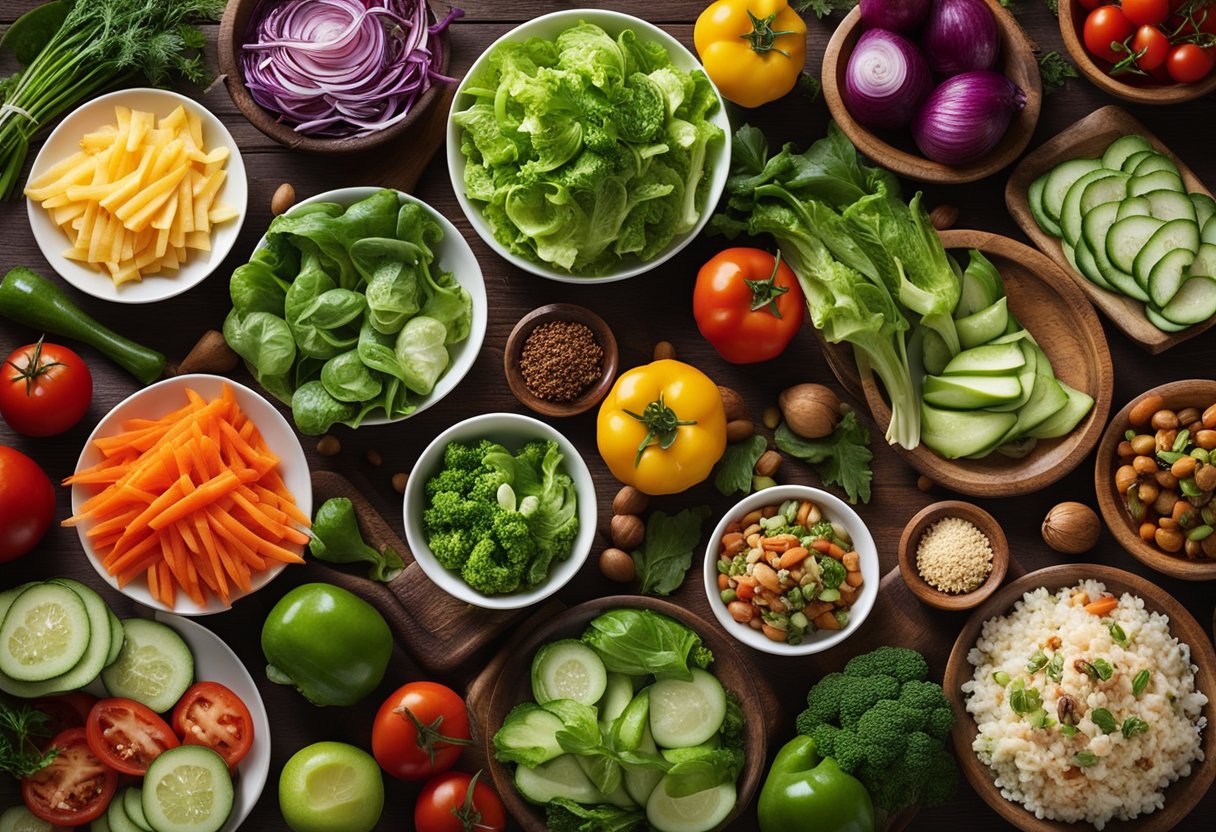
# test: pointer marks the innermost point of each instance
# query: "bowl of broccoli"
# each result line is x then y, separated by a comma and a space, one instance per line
500, 511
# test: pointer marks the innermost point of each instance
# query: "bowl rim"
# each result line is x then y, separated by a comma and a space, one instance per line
978, 517
293, 458
631, 267
1114, 514
166, 285
472, 279
523, 329
427, 464
863, 544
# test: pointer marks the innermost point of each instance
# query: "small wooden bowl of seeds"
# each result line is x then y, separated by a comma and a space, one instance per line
561, 359
953, 555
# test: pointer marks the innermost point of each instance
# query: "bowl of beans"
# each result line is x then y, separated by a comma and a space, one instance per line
953, 555
1156, 478
791, 570
560, 360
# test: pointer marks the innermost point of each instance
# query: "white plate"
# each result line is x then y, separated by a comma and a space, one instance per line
549, 26
214, 661
65, 140
451, 255
160, 399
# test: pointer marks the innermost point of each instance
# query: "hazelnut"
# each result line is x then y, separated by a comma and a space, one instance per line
767, 464
284, 197
629, 501
739, 429
329, 445
1071, 528
733, 403
627, 531
617, 565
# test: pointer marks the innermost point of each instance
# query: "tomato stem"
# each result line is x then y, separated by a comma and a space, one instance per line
429, 735
34, 368
661, 424
762, 35
467, 814
766, 292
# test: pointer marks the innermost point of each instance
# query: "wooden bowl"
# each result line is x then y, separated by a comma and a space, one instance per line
233, 26
909, 541
1088, 138
895, 150
1057, 314
1182, 795
590, 397
515, 686
1130, 87
1177, 395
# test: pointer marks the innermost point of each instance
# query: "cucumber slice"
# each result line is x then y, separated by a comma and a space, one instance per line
116, 638
988, 360
1064, 420
1157, 180
1176, 234
617, 695
1129, 164
116, 816
953, 434
1161, 322
562, 777
629, 728
45, 633
970, 392
1124, 147
154, 667
1025, 376
1109, 189
1194, 303
1170, 205
983, 326
1134, 206
1126, 239
8, 596
1166, 278
1070, 213
529, 732
693, 752
1208, 235
1066, 247
1034, 196
698, 812
684, 713
1205, 261
1094, 228
980, 287
132, 804
1045, 401
187, 789
21, 819
1205, 207
1155, 163
935, 355
1061, 178
1087, 265
640, 781
568, 669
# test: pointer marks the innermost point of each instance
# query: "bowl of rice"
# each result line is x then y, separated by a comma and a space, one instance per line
1087, 689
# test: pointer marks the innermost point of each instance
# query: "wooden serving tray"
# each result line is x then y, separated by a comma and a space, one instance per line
1088, 138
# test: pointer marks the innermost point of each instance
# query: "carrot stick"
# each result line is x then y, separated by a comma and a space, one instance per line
200, 497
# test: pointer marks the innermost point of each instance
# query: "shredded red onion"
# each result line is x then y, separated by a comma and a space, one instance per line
342, 67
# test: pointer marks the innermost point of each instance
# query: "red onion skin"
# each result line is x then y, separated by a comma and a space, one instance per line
894, 15
966, 117
891, 108
960, 36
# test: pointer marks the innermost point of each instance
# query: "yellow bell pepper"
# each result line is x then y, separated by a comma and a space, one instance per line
662, 427
753, 50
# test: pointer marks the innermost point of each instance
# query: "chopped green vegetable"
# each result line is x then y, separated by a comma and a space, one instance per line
563, 815
1025, 700
734, 469
1001, 678
842, 459
1037, 662
1084, 759
1140, 682
823, 8
1103, 669
666, 555
336, 538
20, 725
639, 642
1055, 70
1055, 668
1068, 730
1133, 725
1104, 719
1117, 635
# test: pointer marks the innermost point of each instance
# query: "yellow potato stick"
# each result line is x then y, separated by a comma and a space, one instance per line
195, 122
170, 260
57, 170
123, 116
216, 156
79, 254
80, 173
66, 214
128, 247
177, 236
221, 213
141, 123
166, 217
162, 242
57, 201
175, 121
198, 240
128, 186
154, 194
99, 238
169, 158
203, 199
185, 202
119, 235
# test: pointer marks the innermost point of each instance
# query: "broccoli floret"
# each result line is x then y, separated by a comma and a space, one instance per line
863, 694
485, 486
832, 571
451, 548
733, 724
824, 736
821, 531
450, 510
940, 781
823, 701
701, 656
488, 570
884, 730
454, 480
941, 722
928, 698
510, 529
905, 665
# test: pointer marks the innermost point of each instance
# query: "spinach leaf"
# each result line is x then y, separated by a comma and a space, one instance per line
264, 340
566, 814
703, 769
639, 642
421, 353
337, 539
667, 551
348, 379
842, 459
393, 294
735, 468
315, 411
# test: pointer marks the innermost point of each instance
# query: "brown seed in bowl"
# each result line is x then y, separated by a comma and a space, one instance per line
329, 445
1144, 409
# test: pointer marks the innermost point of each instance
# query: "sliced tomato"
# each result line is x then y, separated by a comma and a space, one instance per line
128, 736
75, 788
212, 715
68, 710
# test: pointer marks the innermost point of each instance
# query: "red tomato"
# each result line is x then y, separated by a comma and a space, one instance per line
1105, 26
1189, 63
127, 736
1154, 45
457, 802
210, 714
1146, 12
747, 304
27, 504
45, 389
420, 731
75, 788
68, 710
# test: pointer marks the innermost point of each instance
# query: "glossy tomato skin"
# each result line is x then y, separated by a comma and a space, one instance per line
1146, 12
396, 744
1188, 63
1154, 45
27, 504
212, 715
75, 788
45, 389
444, 793
127, 736
729, 286
66, 710
1104, 26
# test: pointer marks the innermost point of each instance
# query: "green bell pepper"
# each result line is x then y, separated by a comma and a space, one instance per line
330, 644
806, 791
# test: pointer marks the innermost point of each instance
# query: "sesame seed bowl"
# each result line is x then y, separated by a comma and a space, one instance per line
909, 545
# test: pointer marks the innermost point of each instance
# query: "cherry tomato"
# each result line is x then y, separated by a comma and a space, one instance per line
1189, 63
747, 304
127, 736
45, 389
420, 730
1104, 26
212, 715
75, 788
1154, 45
27, 504
1146, 12
458, 802
67, 710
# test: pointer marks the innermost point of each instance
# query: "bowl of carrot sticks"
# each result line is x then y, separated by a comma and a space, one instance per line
191, 494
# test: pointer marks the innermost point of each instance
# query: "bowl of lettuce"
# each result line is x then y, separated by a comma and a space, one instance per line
587, 146
360, 306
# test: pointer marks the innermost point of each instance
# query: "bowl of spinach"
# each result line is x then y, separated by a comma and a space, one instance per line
362, 306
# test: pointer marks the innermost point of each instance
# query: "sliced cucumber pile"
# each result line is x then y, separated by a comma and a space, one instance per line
154, 667
186, 789
21, 819
1128, 225
1000, 392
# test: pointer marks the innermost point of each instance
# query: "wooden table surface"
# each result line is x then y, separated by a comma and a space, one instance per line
642, 311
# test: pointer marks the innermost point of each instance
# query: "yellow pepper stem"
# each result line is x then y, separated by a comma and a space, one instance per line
762, 35
661, 423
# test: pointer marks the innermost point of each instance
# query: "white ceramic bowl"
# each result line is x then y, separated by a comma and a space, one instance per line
160, 399
65, 140
512, 431
549, 26
214, 661
834, 510
452, 255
